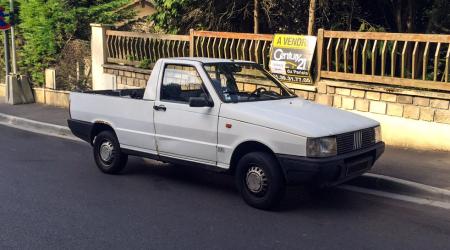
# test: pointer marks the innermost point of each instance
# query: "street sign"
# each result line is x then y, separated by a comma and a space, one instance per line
4, 25
291, 58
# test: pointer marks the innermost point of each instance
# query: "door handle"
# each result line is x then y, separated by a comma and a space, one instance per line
160, 108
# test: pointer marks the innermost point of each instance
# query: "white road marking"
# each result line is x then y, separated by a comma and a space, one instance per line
417, 185
416, 200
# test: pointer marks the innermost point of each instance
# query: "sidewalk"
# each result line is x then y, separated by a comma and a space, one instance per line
37, 112
425, 167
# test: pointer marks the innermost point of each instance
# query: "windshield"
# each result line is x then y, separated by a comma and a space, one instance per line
245, 82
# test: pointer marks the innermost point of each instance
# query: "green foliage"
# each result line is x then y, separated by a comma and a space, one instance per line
291, 16
145, 64
97, 11
168, 14
44, 26
366, 26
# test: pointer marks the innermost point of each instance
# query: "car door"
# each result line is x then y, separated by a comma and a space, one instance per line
184, 132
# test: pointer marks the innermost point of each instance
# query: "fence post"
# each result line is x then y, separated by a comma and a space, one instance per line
99, 55
319, 54
191, 43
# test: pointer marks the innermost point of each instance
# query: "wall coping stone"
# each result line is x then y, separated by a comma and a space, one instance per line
310, 88
387, 89
52, 90
101, 25
127, 68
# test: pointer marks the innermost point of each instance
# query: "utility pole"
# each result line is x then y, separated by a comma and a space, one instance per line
6, 43
18, 88
13, 40
256, 17
312, 12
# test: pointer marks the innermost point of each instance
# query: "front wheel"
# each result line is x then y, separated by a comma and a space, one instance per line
107, 153
260, 180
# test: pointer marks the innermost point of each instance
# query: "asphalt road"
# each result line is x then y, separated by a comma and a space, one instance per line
53, 197
416, 165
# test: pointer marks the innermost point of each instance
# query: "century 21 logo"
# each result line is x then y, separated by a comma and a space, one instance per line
280, 55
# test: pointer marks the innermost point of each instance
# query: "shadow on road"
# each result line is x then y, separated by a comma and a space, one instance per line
296, 198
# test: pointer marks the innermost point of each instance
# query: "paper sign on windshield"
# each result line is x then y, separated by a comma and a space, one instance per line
291, 58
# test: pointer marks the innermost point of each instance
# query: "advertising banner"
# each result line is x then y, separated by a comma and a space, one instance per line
291, 58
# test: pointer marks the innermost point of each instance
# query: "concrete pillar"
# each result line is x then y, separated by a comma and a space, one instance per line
50, 78
99, 55
18, 90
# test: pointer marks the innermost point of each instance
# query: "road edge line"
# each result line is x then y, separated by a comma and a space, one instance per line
401, 197
413, 184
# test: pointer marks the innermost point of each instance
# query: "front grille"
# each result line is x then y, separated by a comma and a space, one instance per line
356, 140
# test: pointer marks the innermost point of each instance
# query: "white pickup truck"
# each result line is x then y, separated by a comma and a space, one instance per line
231, 116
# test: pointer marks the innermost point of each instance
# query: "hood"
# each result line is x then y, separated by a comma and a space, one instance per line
297, 116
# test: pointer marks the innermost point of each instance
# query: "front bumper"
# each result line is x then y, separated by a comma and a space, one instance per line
329, 171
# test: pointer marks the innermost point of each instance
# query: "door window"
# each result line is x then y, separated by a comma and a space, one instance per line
181, 82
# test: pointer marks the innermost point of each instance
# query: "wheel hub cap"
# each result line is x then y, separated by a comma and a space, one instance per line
106, 150
256, 179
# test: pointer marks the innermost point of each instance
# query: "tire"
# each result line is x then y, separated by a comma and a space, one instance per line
260, 181
107, 154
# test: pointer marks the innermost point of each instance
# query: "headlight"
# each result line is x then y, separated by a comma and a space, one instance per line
321, 147
378, 134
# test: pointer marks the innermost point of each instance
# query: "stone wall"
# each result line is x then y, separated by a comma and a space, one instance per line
399, 102
57, 98
128, 77
307, 94
2, 89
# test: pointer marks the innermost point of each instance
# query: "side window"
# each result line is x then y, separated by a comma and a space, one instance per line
180, 83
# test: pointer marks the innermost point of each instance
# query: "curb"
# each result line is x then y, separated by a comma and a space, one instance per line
403, 187
37, 127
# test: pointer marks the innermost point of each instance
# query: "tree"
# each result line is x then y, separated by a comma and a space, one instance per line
256, 16
96, 11
168, 15
45, 26
312, 16
178, 16
291, 16
410, 16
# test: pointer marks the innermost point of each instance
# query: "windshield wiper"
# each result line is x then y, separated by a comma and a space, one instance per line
231, 92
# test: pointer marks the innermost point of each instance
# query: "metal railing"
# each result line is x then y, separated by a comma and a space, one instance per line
133, 48
228, 45
412, 60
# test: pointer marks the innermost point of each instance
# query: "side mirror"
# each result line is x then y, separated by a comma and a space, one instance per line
198, 102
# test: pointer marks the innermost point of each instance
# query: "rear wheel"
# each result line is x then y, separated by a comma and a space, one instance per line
107, 153
260, 180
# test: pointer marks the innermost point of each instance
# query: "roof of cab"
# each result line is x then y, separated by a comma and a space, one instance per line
209, 60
